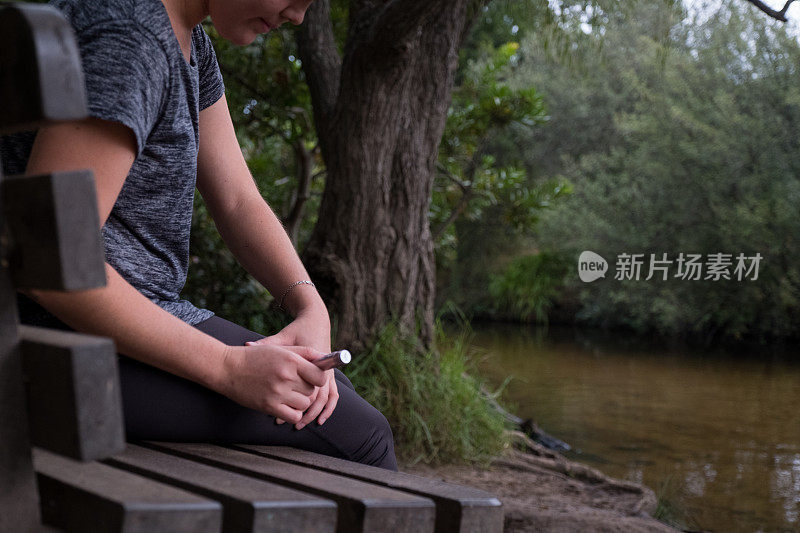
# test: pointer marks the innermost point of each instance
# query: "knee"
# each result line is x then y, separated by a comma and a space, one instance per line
384, 430
378, 450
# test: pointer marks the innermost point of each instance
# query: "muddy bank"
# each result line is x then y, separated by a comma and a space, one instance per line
543, 491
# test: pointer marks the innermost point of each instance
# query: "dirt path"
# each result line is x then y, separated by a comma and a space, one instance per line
543, 491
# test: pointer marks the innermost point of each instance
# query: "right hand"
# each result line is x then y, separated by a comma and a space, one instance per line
277, 380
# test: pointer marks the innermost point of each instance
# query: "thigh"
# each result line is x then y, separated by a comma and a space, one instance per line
162, 406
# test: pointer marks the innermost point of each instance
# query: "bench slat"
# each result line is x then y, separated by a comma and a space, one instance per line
458, 508
55, 229
362, 506
249, 504
74, 395
17, 480
95, 497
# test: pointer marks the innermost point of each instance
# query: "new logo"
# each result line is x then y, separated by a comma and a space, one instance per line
591, 266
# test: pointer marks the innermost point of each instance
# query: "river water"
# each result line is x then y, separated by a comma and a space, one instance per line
716, 432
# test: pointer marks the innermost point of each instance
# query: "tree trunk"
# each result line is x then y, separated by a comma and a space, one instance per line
380, 112
304, 167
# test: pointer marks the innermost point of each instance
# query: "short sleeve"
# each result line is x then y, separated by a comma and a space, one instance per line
210, 79
127, 76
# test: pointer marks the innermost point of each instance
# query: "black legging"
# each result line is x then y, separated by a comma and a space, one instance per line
159, 405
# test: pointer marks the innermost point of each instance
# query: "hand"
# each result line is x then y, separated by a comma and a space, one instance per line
311, 329
280, 381
323, 402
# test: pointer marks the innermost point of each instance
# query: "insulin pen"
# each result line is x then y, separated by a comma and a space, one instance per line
334, 360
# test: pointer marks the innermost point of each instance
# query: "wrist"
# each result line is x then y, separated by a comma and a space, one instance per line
304, 300
314, 310
222, 379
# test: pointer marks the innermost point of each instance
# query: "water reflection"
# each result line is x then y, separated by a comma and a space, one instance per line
717, 432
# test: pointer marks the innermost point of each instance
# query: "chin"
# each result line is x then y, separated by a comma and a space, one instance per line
238, 36
243, 39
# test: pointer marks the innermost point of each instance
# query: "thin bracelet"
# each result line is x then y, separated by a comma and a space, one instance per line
289, 288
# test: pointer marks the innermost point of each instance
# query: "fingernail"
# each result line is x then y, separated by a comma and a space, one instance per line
300, 426
322, 421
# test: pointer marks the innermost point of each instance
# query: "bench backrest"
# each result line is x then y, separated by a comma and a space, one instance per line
58, 390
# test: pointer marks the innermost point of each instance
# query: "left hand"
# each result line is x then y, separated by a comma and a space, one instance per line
312, 330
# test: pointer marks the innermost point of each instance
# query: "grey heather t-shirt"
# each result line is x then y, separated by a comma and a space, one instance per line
136, 75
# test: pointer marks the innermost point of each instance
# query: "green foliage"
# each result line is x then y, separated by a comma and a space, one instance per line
528, 286
217, 281
470, 177
502, 21
686, 145
482, 181
433, 401
271, 110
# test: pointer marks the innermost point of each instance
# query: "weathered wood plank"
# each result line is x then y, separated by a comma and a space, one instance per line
74, 395
40, 70
458, 508
83, 497
249, 504
19, 503
55, 231
36, 49
362, 506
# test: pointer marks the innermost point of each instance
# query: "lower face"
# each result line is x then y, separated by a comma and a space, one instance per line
241, 21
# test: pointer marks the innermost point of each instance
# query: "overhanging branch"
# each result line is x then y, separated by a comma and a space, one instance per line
779, 15
322, 64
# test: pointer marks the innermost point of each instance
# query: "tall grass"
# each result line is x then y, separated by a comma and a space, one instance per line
668, 510
433, 400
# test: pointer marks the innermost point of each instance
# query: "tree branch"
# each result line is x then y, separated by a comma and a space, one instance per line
245, 84
264, 123
441, 168
322, 64
454, 214
303, 173
474, 9
779, 15
262, 97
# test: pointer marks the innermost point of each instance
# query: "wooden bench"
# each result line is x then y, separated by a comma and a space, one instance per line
64, 462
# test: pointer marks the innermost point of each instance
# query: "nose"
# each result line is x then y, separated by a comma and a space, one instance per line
294, 14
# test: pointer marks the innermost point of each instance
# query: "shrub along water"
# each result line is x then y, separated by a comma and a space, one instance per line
432, 400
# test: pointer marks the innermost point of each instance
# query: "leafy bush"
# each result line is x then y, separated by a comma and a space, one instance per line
528, 286
432, 401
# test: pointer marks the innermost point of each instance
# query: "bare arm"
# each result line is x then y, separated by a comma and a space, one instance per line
247, 224
141, 329
258, 240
